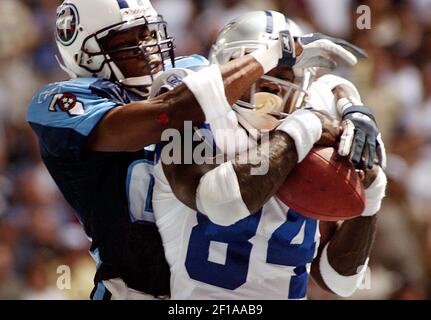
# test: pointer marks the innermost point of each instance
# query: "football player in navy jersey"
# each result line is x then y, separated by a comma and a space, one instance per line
97, 131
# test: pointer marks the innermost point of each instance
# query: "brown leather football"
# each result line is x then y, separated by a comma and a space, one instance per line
324, 186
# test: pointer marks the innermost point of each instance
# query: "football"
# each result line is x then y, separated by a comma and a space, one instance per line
324, 186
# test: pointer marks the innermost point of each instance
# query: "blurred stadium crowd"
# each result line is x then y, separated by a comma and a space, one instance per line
38, 231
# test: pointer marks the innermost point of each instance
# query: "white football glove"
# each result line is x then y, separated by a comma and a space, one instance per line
319, 51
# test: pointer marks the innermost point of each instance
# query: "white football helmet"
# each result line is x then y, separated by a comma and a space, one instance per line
250, 32
82, 24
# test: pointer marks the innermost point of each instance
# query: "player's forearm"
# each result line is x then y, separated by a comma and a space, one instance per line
287, 146
343, 252
277, 157
351, 245
238, 188
346, 254
232, 191
279, 154
181, 104
239, 75
139, 124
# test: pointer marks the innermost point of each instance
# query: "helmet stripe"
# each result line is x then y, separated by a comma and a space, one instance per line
269, 22
123, 4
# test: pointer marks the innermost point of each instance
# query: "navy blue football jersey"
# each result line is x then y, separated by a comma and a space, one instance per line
104, 188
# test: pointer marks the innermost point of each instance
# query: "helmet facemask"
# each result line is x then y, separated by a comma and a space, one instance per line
153, 52
264, 108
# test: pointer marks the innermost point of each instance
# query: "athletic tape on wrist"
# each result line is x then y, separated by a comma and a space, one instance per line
219, 196
375, 194
343, 286
305, 128
269, 57
208, 88
344, 103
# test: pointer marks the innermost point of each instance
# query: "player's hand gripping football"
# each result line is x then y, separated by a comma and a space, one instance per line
368, 176
361, 138
331, 129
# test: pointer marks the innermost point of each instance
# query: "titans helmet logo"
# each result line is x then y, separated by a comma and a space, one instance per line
67, 24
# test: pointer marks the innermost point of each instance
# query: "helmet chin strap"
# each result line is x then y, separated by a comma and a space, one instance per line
134, 82
143, 81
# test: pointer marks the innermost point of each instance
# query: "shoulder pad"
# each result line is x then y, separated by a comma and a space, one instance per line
173, 77
168, 80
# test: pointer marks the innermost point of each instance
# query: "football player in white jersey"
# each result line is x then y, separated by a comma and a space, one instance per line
225, 234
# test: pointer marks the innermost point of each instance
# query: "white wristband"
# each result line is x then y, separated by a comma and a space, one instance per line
268, 57
305, 128
344, 286
375, 194
219, 196
344, 103
208, 88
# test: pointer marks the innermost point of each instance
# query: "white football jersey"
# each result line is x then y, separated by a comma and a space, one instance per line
267, 255
264, 256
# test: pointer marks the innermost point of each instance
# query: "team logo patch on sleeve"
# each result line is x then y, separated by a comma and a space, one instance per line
67, 102
175, 80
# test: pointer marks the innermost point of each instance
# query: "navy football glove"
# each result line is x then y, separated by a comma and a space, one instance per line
361, 138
